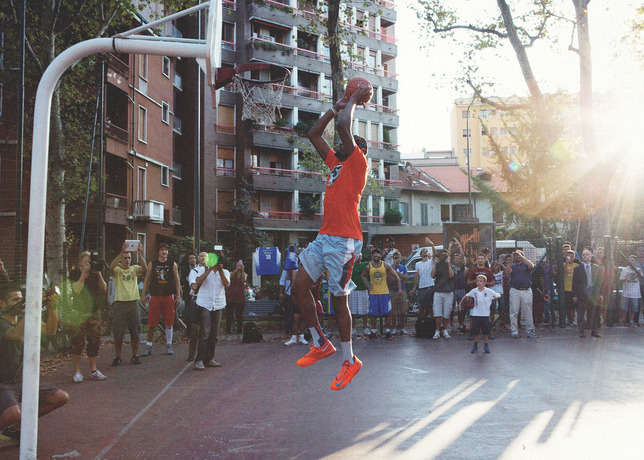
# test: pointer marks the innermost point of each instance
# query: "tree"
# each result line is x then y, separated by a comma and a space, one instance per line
245, 236
52, 27
521, 31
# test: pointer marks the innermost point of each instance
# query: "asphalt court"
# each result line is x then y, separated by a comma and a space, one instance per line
555, 396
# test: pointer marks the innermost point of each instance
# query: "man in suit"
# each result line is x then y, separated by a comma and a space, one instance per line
586, 292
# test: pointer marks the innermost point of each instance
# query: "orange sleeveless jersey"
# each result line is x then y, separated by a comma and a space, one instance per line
342, 196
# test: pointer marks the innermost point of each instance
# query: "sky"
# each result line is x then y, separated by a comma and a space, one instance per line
426, 90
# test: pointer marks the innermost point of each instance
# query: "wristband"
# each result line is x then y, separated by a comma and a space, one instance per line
335, 112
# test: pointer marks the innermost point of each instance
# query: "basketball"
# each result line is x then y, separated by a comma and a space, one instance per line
468, 302
354, 84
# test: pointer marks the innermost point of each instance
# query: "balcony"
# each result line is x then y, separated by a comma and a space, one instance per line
115, 209
117, 133
121, 67
225, 172
273, 136
148, 210
286, 179
230, 4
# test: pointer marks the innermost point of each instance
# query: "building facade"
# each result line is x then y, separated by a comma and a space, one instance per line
268, 156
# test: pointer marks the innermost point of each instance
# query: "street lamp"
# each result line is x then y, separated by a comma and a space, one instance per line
469, 154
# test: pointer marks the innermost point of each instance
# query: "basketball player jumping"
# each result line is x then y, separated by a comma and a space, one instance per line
339, 241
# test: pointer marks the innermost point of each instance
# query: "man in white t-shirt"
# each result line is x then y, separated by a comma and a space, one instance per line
424, 283
631, 276
212, 283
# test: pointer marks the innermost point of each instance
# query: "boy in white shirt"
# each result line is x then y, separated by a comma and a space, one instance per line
480, 314
631, 276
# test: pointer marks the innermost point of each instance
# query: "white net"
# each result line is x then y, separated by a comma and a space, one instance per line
262, 100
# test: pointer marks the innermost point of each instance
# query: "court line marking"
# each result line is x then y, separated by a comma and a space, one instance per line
127, 427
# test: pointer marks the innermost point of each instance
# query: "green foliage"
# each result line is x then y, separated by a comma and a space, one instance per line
393, 216
246, 237
270, 289
302, 127
309, 204
270, 46
182, 245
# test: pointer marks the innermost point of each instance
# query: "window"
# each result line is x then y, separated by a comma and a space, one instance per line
503, 131
497, 216
165, 69
165, 176
143, 66
374, 132
165, 113
466, 152
225, 161
444, 213
483, 113
141, 180
372, 60
483, 130
228, 35
225, 200
512, 130
466, 132
459, 211
225, 119
404, 210
360, 18
424, 214
493, 131
362, 129
463, 113
143, 124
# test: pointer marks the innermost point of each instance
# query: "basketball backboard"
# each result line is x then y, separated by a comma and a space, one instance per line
213, 45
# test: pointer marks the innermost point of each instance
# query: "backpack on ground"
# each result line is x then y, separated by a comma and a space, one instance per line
425, 328
251, 333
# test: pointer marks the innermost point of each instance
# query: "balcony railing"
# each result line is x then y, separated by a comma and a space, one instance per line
117, 133
119, 66
148, 210
225, 172
305, 92
115, 201
225, 129
362, 67
297, 174
273, 129
383, 145
230, 4
227, 45
297, 216
390, 183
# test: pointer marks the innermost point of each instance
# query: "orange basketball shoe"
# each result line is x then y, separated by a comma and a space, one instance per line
316, 353
346, 374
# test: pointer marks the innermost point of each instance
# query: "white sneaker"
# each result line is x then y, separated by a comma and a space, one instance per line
78, 377
301, 340
292, 341
97, 375
446, 335
404, 332
199, 365
437, 335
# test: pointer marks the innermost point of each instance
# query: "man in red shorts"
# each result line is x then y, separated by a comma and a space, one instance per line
339, 241
162, 278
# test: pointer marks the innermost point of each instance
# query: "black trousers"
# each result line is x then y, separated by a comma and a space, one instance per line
236, 310
585, 305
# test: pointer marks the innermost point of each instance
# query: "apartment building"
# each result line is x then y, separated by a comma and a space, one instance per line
149, 149
268, 156
471, 119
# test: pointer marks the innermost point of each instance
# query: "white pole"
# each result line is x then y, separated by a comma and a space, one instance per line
37, 208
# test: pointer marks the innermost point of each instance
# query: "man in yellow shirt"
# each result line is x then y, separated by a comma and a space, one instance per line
379, 300
126, 297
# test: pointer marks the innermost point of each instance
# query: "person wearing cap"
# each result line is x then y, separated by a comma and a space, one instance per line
521, 294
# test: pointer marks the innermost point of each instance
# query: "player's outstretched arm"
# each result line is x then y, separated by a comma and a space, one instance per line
345, 122
315, 133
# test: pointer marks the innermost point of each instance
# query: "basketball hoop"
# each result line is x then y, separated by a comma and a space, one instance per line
262, 98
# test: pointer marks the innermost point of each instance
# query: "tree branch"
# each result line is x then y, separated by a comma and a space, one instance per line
483, 30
